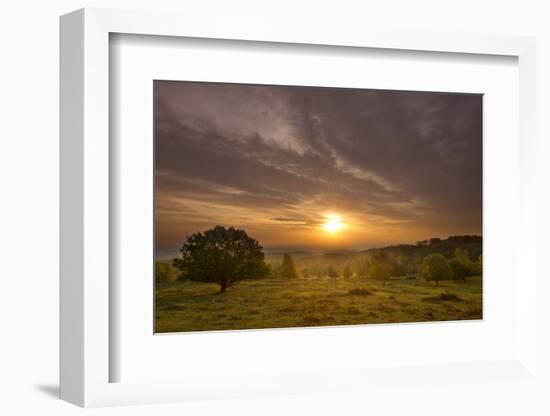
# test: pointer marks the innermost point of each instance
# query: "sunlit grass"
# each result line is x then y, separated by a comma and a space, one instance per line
273, 303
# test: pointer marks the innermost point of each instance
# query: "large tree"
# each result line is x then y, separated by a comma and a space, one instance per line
224, 256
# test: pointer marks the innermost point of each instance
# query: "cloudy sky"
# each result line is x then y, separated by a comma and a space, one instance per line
278, 161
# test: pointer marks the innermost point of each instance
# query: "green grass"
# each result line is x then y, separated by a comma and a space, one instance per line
273, 303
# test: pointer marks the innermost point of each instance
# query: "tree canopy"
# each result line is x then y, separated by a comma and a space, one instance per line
224, 256
462, 265
379, 271
436, 267
380, 266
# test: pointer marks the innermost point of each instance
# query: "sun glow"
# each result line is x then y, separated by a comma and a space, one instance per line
333, 223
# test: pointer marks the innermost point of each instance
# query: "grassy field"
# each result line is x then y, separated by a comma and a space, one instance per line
277, 303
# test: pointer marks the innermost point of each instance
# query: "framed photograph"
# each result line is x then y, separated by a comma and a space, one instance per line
268, 212
290, 206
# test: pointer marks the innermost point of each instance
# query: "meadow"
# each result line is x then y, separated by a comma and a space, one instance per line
302, 302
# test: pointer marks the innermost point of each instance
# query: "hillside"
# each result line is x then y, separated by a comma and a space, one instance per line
408, 256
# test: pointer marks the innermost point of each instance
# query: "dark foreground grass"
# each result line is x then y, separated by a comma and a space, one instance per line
273, 303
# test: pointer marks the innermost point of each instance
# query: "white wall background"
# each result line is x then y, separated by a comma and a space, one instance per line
29, 206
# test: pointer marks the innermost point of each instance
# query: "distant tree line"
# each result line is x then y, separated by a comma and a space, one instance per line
226, 256
383, 264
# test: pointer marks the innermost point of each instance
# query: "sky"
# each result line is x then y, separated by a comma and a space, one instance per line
316, 168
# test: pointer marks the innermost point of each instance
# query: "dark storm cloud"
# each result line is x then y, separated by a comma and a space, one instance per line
392, 156
426, 144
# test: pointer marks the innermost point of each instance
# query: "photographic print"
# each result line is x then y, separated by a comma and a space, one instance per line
297, 206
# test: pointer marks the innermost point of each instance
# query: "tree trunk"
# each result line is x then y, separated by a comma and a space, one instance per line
223, 286
437, 282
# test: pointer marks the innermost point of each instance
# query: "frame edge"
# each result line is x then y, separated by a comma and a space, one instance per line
71, 221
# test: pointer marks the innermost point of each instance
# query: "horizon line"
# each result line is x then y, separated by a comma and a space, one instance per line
290, 250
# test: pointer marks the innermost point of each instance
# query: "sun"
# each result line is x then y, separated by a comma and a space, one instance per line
333, 223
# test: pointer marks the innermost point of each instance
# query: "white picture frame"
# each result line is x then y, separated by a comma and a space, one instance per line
85, 163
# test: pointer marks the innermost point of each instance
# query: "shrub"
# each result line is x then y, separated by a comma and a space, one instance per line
164, 272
